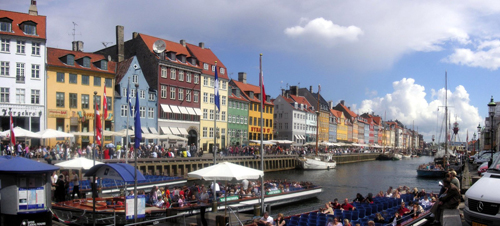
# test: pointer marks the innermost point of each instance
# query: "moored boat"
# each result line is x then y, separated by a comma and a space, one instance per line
317, 163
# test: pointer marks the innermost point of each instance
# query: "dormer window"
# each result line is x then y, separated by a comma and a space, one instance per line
182, 58
28, 27
68, 59
102, 64
222, 71
205, 66
296, 105
213, 68
171, 55
6, 24
84, 62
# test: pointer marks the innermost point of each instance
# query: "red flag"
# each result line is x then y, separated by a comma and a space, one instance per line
261, 81
98, 126
105, 105
12, 135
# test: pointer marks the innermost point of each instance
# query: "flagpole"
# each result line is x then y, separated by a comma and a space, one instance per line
102, 120
317, 123
11, 129
126, 132
136, 144
262, 189
94, 185
216, 83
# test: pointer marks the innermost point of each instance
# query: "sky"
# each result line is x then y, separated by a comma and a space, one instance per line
388, 57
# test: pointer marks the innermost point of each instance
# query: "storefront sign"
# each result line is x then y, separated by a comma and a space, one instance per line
25, 113
257, 129
73, 121
55, 113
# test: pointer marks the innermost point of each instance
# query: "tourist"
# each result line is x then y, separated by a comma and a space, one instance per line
388, 194
76, 185
369, 198
417, 209
336, 222
403, 210
425, 202
336, 204
347, 205
396, 194
454, 180
450, 200
396, 219
380, 194
60, 192
346, 222
203, 201
266, 219
281, 220
330, 222
359, 198
160, 202
371, 223
328, 209
379, 218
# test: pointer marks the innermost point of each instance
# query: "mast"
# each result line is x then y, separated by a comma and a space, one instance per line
317, 123
446, 111
262, 191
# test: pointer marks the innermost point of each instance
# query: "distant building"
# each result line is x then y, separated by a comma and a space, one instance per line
292, 111
237, 117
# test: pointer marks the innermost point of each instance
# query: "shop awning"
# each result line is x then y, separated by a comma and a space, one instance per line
183, 131
175, 109
153, 130
175, 131
145, 130
183, 110
166, 108
198, 111
166, 130
191, 111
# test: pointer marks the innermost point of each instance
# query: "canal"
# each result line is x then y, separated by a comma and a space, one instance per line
348, 179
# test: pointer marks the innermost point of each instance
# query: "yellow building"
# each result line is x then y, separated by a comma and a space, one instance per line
324, 125
72, 79
252, 93
341, 126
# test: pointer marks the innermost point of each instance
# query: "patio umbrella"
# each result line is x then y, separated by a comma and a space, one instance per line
52, 133
20, 132
78, 163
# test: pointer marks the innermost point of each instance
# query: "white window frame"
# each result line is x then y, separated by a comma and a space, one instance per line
151, 96
4, 68
196, 79
142, 111
204, 131
224, 85
188, 95
4, 94
205, 66
21, 47
181, 94
124, 110
151, 113
223, 116
212, 98
223, 100
196, 96
5, 45
35, 71
205, 80
35, 48
211, 114
20, 96
205, 113
205, 97
163, 91
142, 94
173, 73
181, 75
35, 96
135, 79
211, 132
163, 72
172, 93
188, 77
222, 70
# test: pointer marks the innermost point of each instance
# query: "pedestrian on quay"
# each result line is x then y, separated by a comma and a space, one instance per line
450, 199
60, 191
76, 185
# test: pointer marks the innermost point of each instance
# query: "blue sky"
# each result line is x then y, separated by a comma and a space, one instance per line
388, 56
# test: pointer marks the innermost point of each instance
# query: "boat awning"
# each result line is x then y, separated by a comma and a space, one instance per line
153, 130
165, 108
191, 111
183, 110
183, 131
166, 130
116, 171
198, 111
175, 109
145, 130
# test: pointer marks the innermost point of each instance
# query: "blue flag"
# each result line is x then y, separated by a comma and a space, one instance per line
216, 88
129, 101
137, 122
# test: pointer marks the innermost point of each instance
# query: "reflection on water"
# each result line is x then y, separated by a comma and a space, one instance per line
347, 180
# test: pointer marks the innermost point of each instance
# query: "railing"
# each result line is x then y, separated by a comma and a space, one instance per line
107, 218
157, 220
231, 211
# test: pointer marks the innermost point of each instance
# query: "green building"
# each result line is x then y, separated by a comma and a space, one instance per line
237, 122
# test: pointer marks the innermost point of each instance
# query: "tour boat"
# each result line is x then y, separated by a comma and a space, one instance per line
320, 162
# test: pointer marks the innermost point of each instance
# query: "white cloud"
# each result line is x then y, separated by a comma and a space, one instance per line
408, 104
325, 31
486, 55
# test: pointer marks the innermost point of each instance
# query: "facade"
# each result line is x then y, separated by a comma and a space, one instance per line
206, 60
352, 119
291, 110
252, 93
361, 130
22, 69
324, 112
128, 74
334, 121
237, 117
72, 78
341, 126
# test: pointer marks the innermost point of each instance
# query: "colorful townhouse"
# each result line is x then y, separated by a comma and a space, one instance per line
315, 99
342, 129
351, 119
237, 117
291, 110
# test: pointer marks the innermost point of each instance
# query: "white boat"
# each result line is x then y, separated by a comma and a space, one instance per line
317, 163
408, 156
397, 156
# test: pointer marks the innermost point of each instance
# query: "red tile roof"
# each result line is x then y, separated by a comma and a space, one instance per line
351, 113
240, 98
206, 55
54, 54
18, 18
170, 46
336, 113
245, 87
302, 100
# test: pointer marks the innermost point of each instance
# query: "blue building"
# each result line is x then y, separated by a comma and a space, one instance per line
130, 70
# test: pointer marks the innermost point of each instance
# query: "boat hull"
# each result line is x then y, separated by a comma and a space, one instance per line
313, 164
430, 173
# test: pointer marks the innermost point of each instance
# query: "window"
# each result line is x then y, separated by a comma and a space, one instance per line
97, 81
163, 72
85, 101
223, 100
4, 95
251, 121
5, 45
97, 101
70, 59
205, 66
135, 79
188, 95
205, 114
6, 25
73, 102
132, 93
181, 76
85, 80
86, 62
173, 74
152, 96
163, 92
195, 98
188, 77
172, 93
196, 79
35, 96
124, 110
205, 81
108, 82
60, 77
212, 98
213, 67
21, 47
35, 48
223, 116
73, 78
109, 103
151, 113
20, 72
59, 99
205, 97
204, 131
29, 28
211, 133
222, 70
35, 71
212, 82
224, 84
211, 114
4, 68
142, 94
142, 111
181, 94
20, 96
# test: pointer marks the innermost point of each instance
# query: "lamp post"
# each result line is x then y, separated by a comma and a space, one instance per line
474, 146
479, 138
491, 110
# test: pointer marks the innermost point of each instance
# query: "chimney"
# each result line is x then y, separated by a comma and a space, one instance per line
282, 92
183, 42
330, 104
135, 35
310, 89
342, 102
349, 108
297, 90
77, 46
201, 45
242, 77
33, 10
120, 46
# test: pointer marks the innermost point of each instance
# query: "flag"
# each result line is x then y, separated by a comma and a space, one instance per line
98, 125
12, 135
137, 122
261, 82
129, 101
216, 88
105, 105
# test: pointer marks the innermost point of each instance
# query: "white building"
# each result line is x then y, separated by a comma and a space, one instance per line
22, 69
291, 116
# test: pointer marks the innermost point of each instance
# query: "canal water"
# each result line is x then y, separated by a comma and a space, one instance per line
349, 179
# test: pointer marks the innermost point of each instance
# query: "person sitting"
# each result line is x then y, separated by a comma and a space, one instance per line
388, 194
347, 205
403, 210
265, 219
449, 200
417, 209
328, 209
336, 222
396, 219
281, 220
379, 218
160, 202
335, 205
371, 223
369, 198
359, 198
425, 202
380, 194
347, 223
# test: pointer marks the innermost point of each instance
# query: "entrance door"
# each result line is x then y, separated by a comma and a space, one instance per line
192, 137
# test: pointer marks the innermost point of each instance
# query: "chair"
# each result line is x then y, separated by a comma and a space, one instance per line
347, 215
355, 215
361, 212
338, 214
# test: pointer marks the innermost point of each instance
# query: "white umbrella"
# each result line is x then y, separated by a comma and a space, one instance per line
52, 133
266, 142
123, 132
20, 132
78, 163
82, 133
226, 171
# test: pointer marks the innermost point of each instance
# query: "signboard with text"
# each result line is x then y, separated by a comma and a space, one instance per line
141, 207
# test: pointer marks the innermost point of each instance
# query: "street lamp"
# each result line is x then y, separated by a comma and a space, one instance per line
474, 146
479, 138
491, 110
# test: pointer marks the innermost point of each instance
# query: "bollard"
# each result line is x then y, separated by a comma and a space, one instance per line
256, 210
214, 207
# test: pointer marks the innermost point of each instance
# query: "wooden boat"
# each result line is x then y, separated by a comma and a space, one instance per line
320, 162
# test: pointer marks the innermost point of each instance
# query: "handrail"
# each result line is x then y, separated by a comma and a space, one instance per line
237, 218
159, 219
